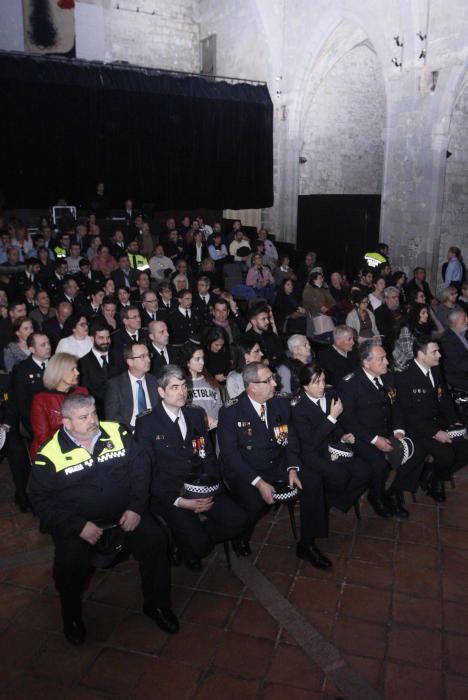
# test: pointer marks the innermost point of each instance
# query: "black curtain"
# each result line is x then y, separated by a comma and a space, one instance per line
177, 141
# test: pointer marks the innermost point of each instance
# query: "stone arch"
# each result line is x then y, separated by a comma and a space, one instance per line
343, 116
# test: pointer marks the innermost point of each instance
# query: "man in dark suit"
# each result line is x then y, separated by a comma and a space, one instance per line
149, 308
389, 318
454, 344
176, 438
258, 448
167, 301
54, 327
117, 244
162, 353
70, 293
133, 392
184, 324
263, 331
202, 300
419, 284
125, 275
88, 279
26, 381
130, 333
341, 358
54, 282
370, 413
95, 367
91, 308
20, 279
427, 411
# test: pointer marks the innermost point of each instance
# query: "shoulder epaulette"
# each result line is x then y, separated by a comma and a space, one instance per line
231, 402
347, 377
145, 413
282, 395
296, 399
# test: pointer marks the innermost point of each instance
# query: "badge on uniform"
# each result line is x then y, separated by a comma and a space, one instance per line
391, 393
199, 447
439, 393
281, 435
245, 424
159, 437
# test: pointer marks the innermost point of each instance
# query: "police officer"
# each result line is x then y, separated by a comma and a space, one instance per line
427, 411
259, 447
176, 438
370, 413
88, 477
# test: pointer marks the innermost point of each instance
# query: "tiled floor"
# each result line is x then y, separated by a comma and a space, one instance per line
395, 605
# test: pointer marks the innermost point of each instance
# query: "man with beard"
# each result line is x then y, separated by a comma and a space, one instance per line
96, 367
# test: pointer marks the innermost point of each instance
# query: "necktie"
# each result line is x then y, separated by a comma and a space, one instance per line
187, 313
141, 397
429, 377
179, 429
105, 364
43, 365
377, 384
263, 413
134, 338
164, 359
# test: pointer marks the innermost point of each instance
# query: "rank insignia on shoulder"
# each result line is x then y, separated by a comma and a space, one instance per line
231, 402
109, 445
282, 395
145, 413
295, 400
347, 377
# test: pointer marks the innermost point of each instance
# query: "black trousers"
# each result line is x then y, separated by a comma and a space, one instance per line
197, 534
313, 509
344, 481
16, 451
406, 477
448, 458
149, 545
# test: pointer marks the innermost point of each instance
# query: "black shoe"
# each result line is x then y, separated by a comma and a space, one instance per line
381, 507
312, 554
164, 618
75, 632
395, 498
23, 502
176, 555
241, 548
427, 475
193, 564
437, 490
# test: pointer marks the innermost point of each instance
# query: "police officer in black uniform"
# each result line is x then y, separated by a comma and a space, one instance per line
428, 411
370, 413
90, 477
259, 447
176, 438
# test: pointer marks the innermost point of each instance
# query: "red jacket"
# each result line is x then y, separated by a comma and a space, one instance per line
46, 416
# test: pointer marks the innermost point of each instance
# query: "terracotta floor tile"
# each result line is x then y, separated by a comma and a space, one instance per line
314, 595
167, 680
181, 576
410, 683
252, 618
419, 647
343, 523
455, 561
209, 609
409, 579
362, 638
377, 527
369, 575
116, 672
61, 662
122, 591
29, 688
335, 573
455, 618
35, 576
455, 588
418, 555
17, 647
291, 666
276, 691
419, 533
452, 537
139, 633
456, 650
43, 613
280, 535
374, 551
220, 685
282, 582
371, 670
180, 598
219, 579
335, 544
13, 600
365, 604
456, 687
243, 656
282, 559
424, 513
421, 612
193, 644
78, 692
454, 516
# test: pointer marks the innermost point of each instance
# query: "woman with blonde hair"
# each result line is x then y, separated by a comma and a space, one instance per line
60, 380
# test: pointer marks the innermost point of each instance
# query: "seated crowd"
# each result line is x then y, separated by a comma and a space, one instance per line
148, 407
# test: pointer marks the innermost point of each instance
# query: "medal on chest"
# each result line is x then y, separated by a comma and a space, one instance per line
281, 435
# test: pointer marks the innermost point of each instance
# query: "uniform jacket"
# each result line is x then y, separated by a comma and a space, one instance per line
46, 416
25, 383
337, 366
182, 328
313, 428
249, 448
424, 409
367, 411
172, 459
69, 486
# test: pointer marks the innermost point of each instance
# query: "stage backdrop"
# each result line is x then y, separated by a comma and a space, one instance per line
179, 142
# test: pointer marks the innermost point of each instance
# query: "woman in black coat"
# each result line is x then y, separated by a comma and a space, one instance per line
315, 414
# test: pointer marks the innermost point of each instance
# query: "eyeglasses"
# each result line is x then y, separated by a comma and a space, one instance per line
265, 381
138, 357
132, 318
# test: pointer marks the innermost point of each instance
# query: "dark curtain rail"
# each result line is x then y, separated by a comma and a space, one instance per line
177, 140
